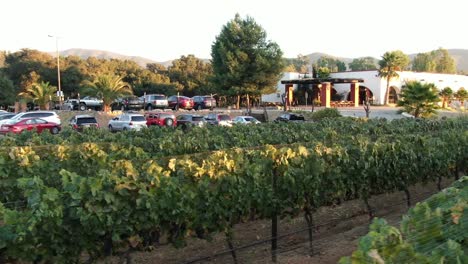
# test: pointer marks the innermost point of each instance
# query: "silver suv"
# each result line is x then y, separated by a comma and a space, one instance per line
127, 121
49, 116
153, 101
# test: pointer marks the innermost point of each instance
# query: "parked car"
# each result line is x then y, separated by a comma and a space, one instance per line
127, 121
71, 104
245, 120
30, 124
290, 117
5, 116
203, 102
128, 103
49, 116
183, 102
160, 119
155, 101
219, 119
80, 122
188, 120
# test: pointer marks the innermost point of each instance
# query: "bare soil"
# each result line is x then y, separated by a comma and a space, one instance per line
336, 234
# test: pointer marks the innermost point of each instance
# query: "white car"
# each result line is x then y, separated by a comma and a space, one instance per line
49, 116
127, 121
245, 120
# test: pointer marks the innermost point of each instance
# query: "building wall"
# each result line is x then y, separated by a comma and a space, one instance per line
378, 85
371, 81
280, 88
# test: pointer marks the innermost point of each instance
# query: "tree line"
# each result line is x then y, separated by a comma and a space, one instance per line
244, 65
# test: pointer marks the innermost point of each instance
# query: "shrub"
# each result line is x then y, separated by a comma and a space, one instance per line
324, 113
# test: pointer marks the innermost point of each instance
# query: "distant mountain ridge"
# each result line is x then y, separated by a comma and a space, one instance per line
102, 54
459, 55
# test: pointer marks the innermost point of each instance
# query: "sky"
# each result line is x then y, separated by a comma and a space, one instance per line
163, 30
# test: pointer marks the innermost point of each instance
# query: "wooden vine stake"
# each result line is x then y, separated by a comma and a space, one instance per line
274, 218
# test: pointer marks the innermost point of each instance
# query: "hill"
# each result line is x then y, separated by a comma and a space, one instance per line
102, 54
459, 55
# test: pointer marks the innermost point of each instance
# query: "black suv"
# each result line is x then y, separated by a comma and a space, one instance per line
290, 117
128, 103
187, 121
79, 122
203, 102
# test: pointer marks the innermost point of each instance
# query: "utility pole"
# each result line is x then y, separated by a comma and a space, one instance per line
59, 93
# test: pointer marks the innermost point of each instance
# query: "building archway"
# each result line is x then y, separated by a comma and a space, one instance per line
364, 93
393, 93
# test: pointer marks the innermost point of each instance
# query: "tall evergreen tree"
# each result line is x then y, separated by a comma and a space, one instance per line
244, 62
423, 62
438, 61
444, 62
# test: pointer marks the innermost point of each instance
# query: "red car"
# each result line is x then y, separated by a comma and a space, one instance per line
30, 124
182, 102
160, 119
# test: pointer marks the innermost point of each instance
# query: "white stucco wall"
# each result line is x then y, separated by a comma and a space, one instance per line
371, 81
280, 88
378, 85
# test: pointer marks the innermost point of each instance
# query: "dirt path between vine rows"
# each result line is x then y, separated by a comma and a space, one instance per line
337, 232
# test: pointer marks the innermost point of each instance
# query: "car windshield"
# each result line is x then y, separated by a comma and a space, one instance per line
197, 118
250, 119
159, 97
86, 120
138, 118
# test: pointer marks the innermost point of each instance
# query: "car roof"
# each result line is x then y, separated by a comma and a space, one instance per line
156, 112
83, 116
35, 112
132, 114
191, 115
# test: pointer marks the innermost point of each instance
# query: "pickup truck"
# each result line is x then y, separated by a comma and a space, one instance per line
90, 102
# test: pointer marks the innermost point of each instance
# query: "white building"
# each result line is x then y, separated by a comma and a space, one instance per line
375, 86
276, 97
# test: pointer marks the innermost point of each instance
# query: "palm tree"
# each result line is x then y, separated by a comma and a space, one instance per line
390, 63
461, 94
109, 88
446, 94
419, 99
40, 93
